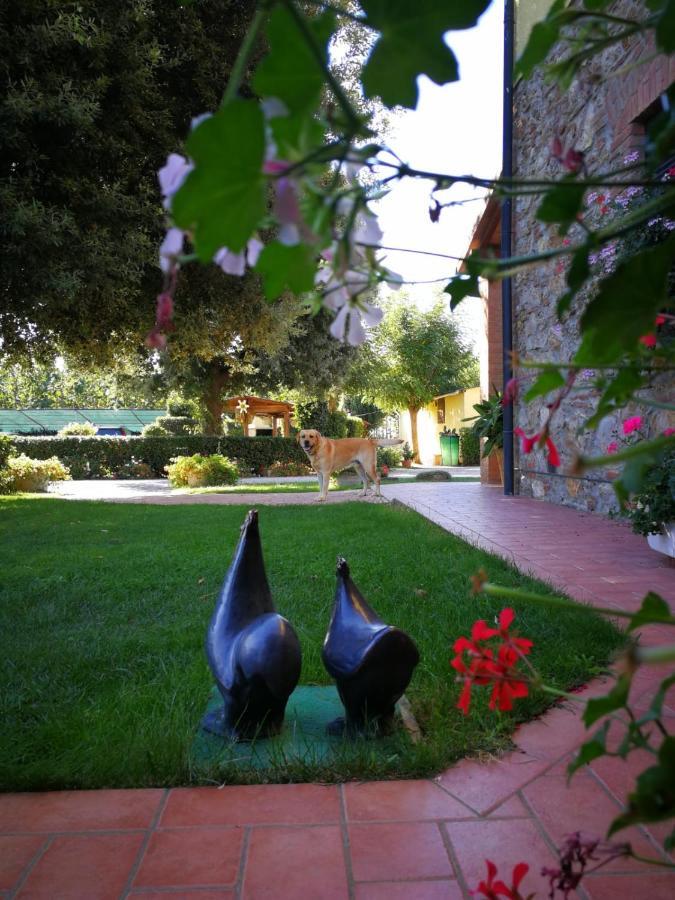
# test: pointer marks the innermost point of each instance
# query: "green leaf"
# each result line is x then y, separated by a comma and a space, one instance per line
592, 749
541, 40
286, 268
615, 699
654, 797
654, 609
548, 380
656, 706
665, 27
461, 286
291, 73
625, 305
562, 204
411, 44
617, 393
223, 198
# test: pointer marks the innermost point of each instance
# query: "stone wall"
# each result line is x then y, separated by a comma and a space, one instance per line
604, 119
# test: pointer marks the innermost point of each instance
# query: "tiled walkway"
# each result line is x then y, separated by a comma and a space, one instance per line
411, 840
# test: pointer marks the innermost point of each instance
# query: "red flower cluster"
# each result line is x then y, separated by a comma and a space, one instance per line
529, 443
485, 665
572, 160
492, 889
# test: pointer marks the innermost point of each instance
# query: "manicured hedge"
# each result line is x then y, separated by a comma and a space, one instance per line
469, 447
105, 457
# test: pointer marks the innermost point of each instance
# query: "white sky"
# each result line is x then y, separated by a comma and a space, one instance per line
456, 129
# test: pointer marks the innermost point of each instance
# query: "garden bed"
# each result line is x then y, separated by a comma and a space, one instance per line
103, 611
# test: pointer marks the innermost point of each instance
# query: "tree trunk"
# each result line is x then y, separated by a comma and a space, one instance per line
213, 401
412, 411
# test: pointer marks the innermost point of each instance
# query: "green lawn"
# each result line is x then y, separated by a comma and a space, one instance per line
104, 607
299, 487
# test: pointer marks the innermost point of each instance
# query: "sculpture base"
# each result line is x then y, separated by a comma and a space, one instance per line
304, 738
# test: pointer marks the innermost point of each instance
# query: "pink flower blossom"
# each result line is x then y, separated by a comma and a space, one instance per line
172, 175
632, 424
613, 447
668, 431
510, 392
235, 263
170, 248
348, 325
287, 212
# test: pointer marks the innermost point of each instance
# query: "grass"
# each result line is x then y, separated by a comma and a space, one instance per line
297, 487
104, 608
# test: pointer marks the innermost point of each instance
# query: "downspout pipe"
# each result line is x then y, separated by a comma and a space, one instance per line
506, 248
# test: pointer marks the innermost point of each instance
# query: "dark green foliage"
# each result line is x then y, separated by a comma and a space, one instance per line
389, 456
469, 447
654, 505
396, 60
317, 414
94, 97
6, 448
104, 607
177, 424
489, 423
100, 457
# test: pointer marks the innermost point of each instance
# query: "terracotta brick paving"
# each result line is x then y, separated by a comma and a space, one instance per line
409, 840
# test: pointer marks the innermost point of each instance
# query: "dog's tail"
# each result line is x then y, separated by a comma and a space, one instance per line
388, 442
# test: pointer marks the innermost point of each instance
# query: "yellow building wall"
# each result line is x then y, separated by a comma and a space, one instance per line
457, 407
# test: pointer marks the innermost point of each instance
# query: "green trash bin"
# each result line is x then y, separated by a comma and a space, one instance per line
450, 449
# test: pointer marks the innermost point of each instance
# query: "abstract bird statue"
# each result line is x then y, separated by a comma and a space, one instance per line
253, 652
371, 662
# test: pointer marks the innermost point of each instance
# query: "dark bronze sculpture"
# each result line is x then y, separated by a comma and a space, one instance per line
253, 652
372, 662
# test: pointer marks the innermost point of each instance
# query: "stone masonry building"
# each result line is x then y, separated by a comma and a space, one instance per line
606, 118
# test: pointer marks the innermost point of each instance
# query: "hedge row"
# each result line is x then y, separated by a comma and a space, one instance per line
105, 457
469, 447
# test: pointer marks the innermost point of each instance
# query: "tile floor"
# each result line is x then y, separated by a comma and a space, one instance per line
409, 840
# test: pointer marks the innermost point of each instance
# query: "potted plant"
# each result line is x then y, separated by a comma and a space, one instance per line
384, 470
407, 456
653, 511
489, 424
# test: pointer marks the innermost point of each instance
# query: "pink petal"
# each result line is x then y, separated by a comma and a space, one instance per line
253, 250
231, 263
286, 207
170, 247
337, 329
357, 333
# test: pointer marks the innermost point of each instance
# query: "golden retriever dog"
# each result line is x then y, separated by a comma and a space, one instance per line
327, 456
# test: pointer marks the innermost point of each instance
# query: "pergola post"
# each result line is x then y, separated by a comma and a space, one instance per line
287, 424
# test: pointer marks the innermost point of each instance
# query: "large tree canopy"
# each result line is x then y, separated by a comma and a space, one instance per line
414, 356
94, 96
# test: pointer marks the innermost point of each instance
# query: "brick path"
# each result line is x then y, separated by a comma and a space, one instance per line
409, 840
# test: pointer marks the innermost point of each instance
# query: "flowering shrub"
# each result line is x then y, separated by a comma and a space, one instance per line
154, 429
493, 656
80, 429
654, 504
389, 456
201, 471
287, 469
32, 475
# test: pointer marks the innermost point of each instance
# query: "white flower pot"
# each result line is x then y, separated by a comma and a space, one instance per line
664, 541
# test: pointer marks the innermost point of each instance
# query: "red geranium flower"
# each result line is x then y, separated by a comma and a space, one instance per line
492, 889
649, 340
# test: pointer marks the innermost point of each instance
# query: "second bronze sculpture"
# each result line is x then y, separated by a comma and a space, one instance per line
255, 655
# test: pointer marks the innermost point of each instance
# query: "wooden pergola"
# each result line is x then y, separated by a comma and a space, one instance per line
247, 408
